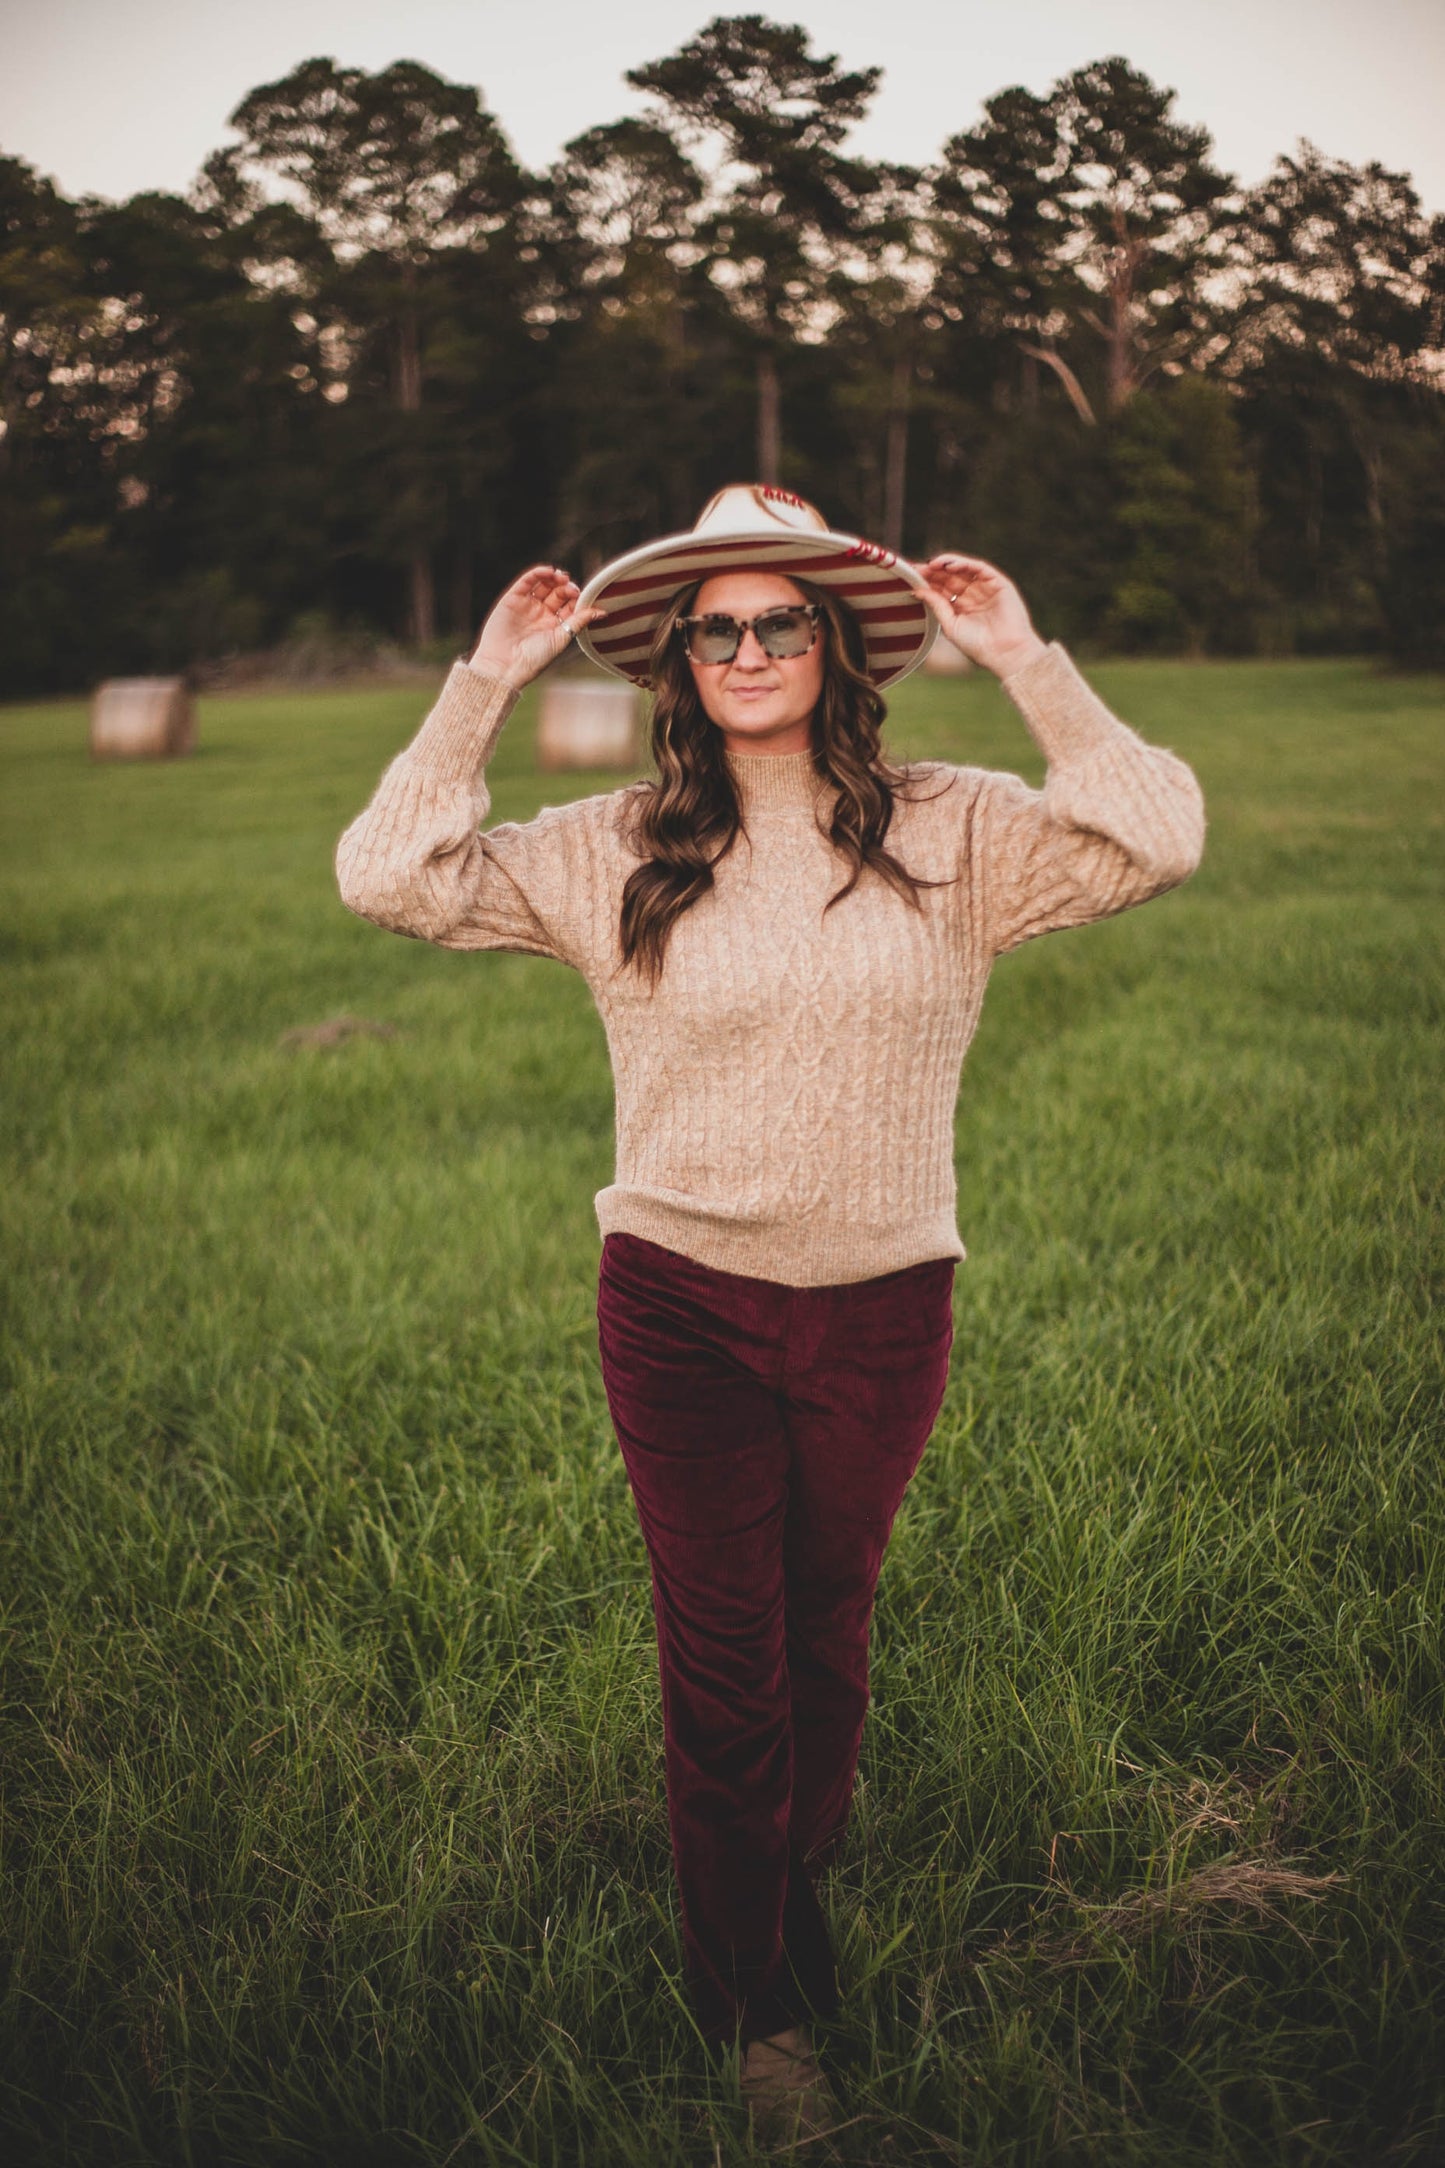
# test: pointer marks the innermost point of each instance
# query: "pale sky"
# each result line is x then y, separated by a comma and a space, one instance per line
112, 96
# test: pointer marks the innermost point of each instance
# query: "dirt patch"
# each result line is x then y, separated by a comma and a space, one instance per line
334, 1031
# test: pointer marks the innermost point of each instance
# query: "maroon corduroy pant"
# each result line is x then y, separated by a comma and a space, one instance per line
769, 1434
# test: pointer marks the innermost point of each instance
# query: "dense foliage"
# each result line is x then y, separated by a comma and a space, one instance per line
370, 365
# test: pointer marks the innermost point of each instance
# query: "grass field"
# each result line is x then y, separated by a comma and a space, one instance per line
332, 1816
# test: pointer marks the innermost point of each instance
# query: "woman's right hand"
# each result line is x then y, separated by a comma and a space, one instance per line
529, 626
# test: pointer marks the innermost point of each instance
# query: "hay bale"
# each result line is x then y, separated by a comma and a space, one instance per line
142, 719
944, 660
588, 722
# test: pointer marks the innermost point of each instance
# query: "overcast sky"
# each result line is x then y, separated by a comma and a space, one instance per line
112, 96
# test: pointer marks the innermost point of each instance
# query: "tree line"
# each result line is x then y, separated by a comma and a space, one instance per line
369, 366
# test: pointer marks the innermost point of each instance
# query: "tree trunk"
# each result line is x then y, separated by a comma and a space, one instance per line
1314, 497
677, 467
895, 457
461, 609
770, 427
1078, 397
1122, 361
943, 491
422, 617
1120, 328
422, 614
408, 362
1371, 466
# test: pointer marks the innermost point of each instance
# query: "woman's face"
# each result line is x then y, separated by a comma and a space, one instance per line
760, 705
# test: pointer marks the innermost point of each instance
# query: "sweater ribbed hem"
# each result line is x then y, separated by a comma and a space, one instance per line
1067, 720
458, 736
807, 1253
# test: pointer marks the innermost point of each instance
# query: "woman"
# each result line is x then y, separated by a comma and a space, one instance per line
788, 940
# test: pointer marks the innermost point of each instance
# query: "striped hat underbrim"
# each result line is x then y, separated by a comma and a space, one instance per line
882, 592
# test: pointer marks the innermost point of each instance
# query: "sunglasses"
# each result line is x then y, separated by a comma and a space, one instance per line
781, 633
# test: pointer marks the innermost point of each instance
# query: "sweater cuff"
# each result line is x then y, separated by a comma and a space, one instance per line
458, 736
1066, 717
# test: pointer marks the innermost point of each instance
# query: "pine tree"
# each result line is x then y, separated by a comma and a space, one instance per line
397, 169
1091, 227
788, 203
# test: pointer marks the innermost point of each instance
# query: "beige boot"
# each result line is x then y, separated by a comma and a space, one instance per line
788, 2099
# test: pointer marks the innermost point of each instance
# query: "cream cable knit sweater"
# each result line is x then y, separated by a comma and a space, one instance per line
785, 1097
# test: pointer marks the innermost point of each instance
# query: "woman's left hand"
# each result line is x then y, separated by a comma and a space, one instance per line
981, 612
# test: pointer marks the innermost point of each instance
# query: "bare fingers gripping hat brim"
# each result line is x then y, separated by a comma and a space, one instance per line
752, 527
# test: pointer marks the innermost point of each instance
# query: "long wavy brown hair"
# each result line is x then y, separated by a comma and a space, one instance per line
686, 822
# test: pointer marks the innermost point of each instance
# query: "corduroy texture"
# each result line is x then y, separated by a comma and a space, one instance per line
769, 1434
785, 1095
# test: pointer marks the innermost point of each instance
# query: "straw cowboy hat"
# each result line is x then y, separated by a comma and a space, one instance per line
755, 527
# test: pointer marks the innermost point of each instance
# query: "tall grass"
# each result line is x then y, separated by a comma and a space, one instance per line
332, 1811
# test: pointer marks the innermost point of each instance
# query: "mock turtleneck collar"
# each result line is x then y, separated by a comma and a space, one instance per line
774, 779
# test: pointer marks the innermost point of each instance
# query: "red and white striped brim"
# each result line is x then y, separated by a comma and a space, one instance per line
882, 590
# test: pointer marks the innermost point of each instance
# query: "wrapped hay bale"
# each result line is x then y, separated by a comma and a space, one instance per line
588, 722
142, 719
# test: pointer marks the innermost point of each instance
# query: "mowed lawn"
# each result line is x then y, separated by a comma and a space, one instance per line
332, 1797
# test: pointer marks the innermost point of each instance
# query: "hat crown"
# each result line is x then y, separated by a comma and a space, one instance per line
756, 527
758, 508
